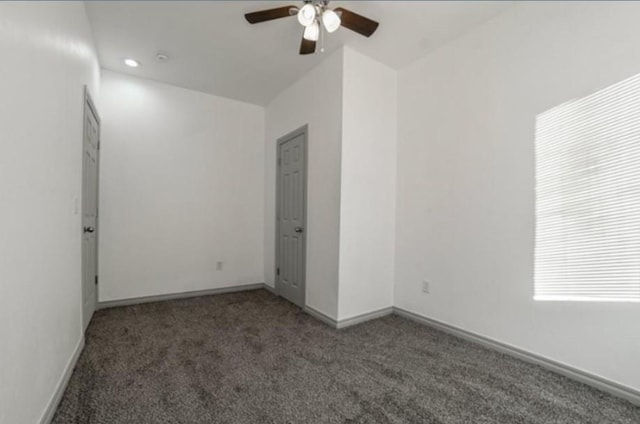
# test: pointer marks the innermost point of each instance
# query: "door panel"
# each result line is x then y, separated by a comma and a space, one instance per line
90, 212
291, 204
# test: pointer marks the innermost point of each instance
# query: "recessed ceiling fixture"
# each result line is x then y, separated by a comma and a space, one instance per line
131, 63
162, 57
316, 17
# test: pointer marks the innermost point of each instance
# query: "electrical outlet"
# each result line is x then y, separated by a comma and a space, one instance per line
219, 266
425, 286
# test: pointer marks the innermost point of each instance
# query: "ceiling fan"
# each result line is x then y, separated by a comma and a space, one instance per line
316, 16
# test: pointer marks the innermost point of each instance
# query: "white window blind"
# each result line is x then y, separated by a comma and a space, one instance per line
587, 244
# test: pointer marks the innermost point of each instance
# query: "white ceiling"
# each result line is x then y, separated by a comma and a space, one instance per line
213, 49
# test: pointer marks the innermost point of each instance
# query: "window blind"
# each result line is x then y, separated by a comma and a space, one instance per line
587, 242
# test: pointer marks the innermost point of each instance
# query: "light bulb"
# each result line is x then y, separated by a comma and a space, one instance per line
331, 20
307, 14
312, 32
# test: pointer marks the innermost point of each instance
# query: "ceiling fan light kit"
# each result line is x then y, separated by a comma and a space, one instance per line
307, 14
316, 17
312, 32
330, 20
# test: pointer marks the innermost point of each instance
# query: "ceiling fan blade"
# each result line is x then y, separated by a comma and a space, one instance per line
307, 46
270, 14
357, 23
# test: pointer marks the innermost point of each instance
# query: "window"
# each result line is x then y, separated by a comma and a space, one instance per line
587, 244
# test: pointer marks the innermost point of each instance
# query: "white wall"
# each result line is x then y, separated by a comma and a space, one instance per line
368, 186
316, 100
465, 208
47, 57
181, 188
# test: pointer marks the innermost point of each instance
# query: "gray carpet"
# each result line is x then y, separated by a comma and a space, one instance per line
253, 358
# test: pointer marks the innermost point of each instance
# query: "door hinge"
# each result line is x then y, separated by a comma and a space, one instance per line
96, 279
277, 271
279, 161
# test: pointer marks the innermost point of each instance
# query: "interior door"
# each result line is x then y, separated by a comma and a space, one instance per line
91, 143
291, 217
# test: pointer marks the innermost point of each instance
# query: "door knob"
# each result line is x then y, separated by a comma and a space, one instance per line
89, 229
298, 229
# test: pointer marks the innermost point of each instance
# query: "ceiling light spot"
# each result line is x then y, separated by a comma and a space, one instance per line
131, 63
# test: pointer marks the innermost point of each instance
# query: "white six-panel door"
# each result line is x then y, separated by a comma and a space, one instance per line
291, 204
90, 149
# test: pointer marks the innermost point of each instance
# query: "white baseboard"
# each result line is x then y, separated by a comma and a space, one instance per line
358, 319
331, 322
585, 377
347, 322
50, 410
174, 296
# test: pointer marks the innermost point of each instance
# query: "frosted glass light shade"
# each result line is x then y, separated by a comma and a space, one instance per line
331, 20
307, 14
312, 32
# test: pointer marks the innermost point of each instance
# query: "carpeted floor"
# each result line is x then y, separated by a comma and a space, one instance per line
252, 357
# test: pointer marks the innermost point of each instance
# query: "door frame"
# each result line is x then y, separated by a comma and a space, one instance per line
304, 131
89, 107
